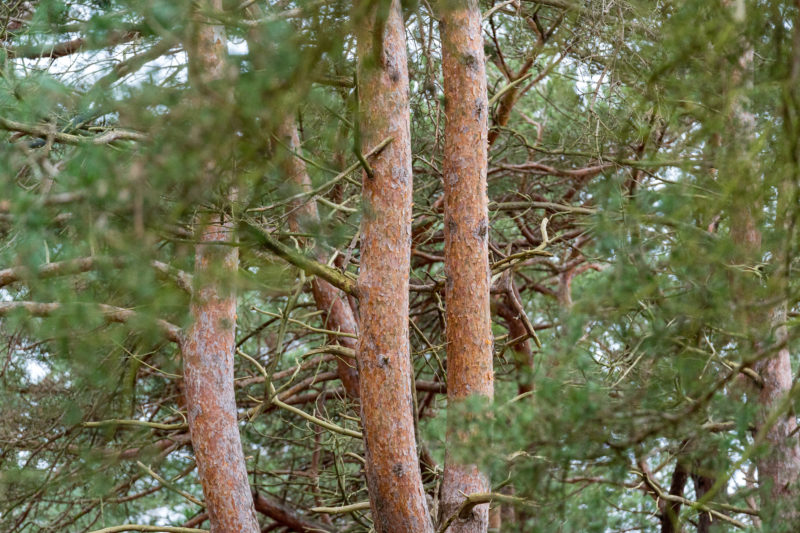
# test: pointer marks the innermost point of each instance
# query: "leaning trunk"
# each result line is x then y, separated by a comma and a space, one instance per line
338, 314
208, 345
394, 481
466, 231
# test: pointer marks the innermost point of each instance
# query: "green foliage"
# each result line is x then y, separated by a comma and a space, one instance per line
625, 137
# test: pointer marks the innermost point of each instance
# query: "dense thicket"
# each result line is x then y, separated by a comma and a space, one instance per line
643, 200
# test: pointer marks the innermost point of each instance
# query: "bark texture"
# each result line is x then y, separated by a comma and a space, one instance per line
208, 375
338, 313
466, 230
394, 481
208, 345
703, 484
671, 510
780, 468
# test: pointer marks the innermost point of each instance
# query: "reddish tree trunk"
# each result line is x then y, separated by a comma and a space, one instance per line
466, 230
778, 469
208, 345
394, 481
338, 313
208, 376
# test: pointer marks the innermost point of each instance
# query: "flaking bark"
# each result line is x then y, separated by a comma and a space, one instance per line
466, 230
393, 476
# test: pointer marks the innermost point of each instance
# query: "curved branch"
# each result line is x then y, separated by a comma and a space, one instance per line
472, 500
270, 507
353, 507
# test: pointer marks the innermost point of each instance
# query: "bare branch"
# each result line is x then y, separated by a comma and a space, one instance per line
110, 313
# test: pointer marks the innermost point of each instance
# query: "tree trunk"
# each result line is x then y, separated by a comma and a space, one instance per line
466, 230
208, 345
779, 468
671, 510
703, 484
394, 481
523, 355
208, 377
338, 313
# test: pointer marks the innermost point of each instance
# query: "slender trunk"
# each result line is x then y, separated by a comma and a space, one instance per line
523, 355
394, 481
702, 484
466, 230
671, 511
208, 345
338, 313
208, 376
779, 468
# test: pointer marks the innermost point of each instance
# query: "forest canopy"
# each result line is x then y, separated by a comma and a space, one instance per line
422, 265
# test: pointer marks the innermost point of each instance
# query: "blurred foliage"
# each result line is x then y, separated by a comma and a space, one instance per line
641, 309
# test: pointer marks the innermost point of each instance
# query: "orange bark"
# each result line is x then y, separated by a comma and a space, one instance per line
507, 102
466, 231
208, 345
208, 376
394, 481
338, 313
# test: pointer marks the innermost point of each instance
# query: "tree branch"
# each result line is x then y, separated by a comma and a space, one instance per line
271, 507
110, 313
308, 265
472, 500
66, 48
353, 507
45, 132
137, 527
85, 264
